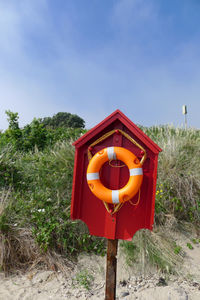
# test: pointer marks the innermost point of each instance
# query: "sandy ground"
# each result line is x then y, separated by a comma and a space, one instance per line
45, 285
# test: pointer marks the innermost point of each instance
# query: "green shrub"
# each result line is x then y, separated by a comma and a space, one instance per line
38, 134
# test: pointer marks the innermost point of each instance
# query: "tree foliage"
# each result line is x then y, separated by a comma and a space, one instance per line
63, 119
40, 133
13, 134
12, 120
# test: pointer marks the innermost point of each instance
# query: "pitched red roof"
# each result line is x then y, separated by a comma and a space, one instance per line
117, 114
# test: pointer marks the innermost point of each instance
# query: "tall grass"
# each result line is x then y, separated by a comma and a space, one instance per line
153, 249
177, 198
178, 188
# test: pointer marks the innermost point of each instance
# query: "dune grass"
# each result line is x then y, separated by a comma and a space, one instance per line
178, 185
177, 199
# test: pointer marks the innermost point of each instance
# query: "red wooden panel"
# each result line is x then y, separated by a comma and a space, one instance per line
86, 207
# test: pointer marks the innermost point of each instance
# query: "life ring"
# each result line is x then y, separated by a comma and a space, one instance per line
129, 190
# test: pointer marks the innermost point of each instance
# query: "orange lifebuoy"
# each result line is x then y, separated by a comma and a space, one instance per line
129, 190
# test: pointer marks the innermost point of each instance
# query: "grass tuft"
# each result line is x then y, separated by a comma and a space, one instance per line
84, 279
153, 249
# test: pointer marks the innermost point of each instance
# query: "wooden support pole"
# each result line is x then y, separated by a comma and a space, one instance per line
111, 269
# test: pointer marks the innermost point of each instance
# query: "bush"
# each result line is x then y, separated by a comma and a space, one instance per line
38, 134
64, 120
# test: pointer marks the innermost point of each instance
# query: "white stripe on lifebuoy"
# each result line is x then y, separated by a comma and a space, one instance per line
111, 153
136, 171
92, 176
115, 196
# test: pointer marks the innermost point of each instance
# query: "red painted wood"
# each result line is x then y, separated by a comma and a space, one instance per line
127, 122
86, 207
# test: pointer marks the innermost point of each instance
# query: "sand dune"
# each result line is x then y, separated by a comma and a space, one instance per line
43, 285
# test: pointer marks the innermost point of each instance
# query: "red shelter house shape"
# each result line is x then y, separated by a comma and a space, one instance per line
133, 215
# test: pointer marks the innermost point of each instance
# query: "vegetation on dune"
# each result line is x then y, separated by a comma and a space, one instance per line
178, 185
41, 133
177, 198
35, 192
36, 167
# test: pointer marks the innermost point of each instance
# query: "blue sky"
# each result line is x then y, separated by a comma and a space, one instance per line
90, 57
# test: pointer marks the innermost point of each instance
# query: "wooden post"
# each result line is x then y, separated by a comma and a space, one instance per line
111, 269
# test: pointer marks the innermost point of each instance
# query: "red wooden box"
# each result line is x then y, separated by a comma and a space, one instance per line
88, 208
